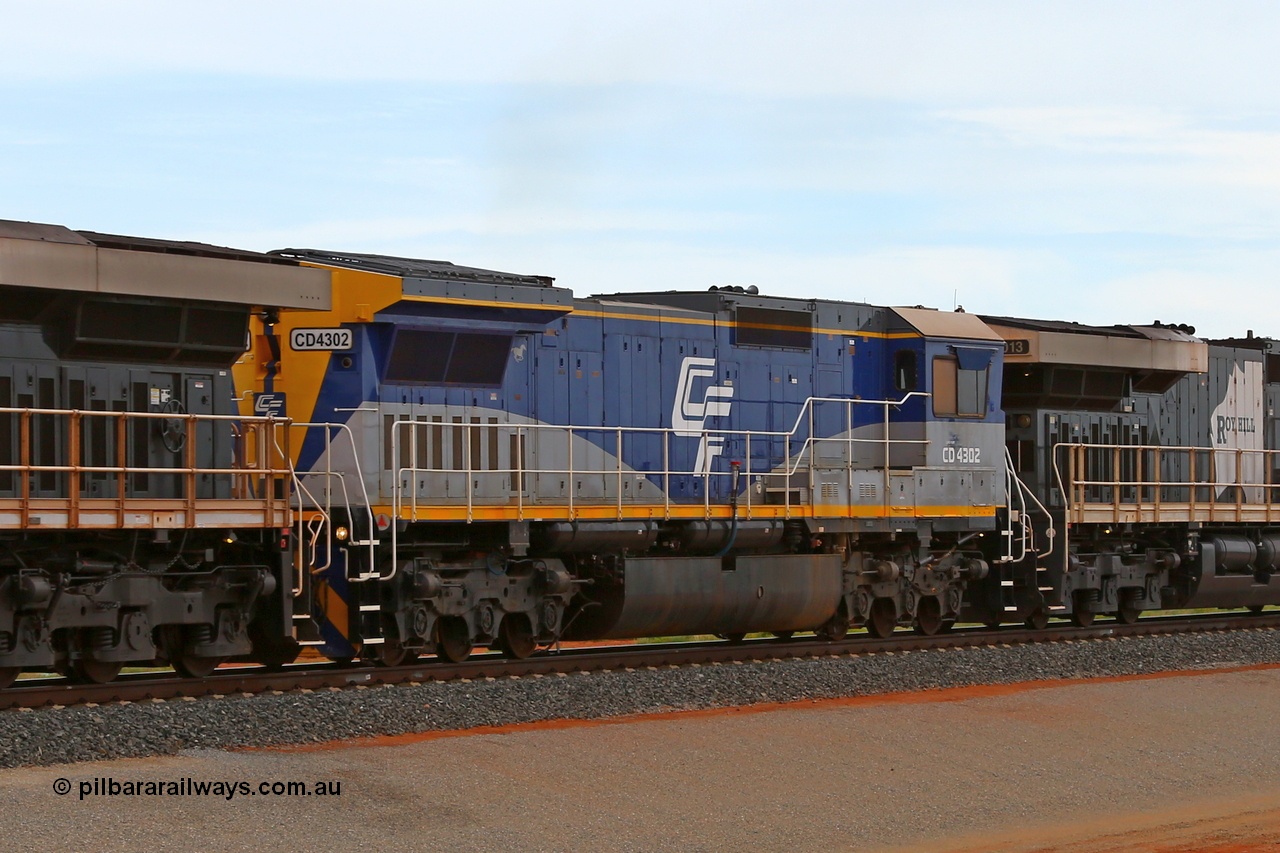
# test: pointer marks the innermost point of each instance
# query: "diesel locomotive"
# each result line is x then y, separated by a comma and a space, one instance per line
209, 454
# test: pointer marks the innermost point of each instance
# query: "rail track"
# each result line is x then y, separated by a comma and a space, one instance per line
231, 680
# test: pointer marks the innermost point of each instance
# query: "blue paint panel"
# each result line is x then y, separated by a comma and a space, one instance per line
625, 372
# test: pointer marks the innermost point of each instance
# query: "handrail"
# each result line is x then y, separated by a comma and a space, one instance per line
518, 471
329, 475
1014, 485
1082, 474
69, 445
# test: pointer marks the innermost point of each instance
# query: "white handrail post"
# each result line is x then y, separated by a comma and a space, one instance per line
666, 474
518, 465
813, 452
569, 432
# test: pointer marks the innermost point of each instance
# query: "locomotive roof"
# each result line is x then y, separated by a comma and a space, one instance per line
1159, 352
411, 267
1156, 331
53, 257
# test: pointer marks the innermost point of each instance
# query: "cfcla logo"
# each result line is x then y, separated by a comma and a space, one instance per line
267, 404
690, 414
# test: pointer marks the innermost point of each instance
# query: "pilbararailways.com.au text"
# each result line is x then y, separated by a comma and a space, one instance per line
109, 786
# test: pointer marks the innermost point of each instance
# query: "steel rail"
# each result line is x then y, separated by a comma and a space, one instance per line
249, 680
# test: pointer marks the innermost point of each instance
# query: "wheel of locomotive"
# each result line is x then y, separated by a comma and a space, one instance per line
1037, 620
393, 653
515, 637
453, 639
928, 616
196, 666
783, 635
1081, 615
734, 638
991, 624
1255, 609
1129, 610
88, 671
883, 618
836, 628
186, 664
8, 674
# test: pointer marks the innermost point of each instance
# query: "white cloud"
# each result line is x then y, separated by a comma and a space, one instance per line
1218, 155
1205, 54
377, 234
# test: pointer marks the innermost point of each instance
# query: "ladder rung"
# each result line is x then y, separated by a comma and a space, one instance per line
1045, 588
1057, 607
1011, 609
370, 608
375, 641
1006, 583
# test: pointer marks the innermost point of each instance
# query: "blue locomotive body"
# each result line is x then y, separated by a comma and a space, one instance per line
657, 442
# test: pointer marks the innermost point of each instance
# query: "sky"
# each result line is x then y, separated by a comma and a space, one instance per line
1104, 162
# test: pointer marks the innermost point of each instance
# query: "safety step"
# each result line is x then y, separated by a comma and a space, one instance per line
1010, 609
375, 641
1057, 607
1045, 588
312, 642
363, 543
370, 608
1006, 583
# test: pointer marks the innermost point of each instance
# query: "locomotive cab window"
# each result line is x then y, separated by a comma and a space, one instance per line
957, 392
431, 357
904, 370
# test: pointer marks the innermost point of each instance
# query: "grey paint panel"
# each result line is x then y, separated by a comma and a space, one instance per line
89, 269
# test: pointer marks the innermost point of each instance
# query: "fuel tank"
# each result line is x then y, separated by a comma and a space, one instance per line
670, 596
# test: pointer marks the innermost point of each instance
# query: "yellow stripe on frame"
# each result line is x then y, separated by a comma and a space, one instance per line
562, 512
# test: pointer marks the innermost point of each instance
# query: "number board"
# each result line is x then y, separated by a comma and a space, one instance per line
320, 339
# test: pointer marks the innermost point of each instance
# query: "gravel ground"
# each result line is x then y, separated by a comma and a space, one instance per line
74, 734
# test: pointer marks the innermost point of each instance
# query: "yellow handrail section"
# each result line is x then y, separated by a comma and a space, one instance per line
1150, 484
75, 469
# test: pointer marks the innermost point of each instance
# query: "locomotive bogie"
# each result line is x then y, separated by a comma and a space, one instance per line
443, 606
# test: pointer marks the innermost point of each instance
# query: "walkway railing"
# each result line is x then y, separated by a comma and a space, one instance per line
73, 469
1149, 484
418, 448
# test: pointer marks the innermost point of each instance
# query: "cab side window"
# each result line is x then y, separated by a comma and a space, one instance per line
958, 393
904, 370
